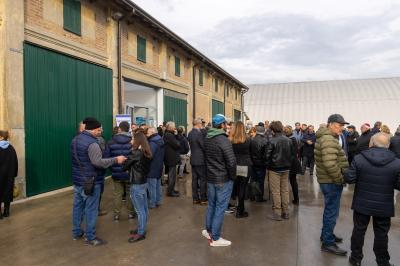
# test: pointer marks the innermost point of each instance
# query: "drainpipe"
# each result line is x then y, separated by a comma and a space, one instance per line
224, 96
194, 92
117, 16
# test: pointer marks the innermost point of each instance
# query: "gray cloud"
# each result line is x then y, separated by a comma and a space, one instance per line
290, 47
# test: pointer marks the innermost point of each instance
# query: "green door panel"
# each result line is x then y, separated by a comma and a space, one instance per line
59, 92
217, 107
175, 110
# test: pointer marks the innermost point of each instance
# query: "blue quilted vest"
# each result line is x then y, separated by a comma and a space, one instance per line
87, 169
119, 145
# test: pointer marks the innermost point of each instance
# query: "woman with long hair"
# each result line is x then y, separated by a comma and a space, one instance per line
138, 164
241, 148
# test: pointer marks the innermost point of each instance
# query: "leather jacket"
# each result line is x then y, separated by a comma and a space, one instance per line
280, 153
138, 166
257, 150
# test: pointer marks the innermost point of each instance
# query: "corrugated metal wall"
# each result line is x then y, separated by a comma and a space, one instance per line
358, 101
59, 92
175, 110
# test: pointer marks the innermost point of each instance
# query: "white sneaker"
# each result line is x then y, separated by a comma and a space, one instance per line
220, 243
206, 234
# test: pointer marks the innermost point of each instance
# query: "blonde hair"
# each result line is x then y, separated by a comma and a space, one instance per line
385, 129
238, 134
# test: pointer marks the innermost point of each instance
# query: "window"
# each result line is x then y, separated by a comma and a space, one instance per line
216, 85
201, 77
227, 89
141, 49
236, 94
72, 16
177, 66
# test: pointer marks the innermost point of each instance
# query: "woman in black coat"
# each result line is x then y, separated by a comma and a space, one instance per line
241, 148
8, 172
296, 166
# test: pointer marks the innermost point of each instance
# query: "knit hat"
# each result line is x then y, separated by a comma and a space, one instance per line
91, 123
366, 125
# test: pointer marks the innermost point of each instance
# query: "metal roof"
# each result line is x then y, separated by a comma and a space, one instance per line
359, 101
134, 9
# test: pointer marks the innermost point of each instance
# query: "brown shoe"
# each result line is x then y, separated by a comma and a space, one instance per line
204, 202
196, 202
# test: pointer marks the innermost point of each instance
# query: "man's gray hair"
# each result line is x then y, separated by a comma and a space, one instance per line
170, 124
197, 121
380, 140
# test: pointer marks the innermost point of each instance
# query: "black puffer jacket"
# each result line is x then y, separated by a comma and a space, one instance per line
395, 144
219, 157
363, 141
257, 150
138, 166
172, 149
351, 140
279, 153
242, 153
376, 173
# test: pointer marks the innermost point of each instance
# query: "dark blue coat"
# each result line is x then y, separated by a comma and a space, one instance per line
84, 168
119, 145
196, 140
158, 152
376, 173
308, 149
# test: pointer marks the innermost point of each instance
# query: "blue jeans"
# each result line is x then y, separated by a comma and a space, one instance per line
332, 194
85, 207
155, 191
139, 200
218, 200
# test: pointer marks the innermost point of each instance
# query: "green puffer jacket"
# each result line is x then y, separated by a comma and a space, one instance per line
330, 158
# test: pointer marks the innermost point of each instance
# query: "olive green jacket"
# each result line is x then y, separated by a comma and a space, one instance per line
330, 158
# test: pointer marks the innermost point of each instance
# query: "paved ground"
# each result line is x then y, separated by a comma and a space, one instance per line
39, 233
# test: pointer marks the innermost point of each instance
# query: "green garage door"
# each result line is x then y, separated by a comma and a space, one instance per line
175, 108
59, 92
217, 107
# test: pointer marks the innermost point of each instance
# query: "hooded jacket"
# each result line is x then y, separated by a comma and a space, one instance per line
119, 145
157, 147
376, 173
330, 158
219, 157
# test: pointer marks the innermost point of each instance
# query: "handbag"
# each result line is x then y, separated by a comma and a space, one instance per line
242, 170
16, 191
88, 184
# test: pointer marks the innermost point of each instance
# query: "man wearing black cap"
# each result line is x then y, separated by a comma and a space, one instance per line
88, 178
331, 161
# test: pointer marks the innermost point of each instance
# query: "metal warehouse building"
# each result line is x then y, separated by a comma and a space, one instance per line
63, 60
359, 101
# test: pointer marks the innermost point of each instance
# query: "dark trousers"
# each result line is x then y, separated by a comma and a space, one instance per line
381, 229
171, 179
294, 185
308, 160
199, 182
259, 177
241, 186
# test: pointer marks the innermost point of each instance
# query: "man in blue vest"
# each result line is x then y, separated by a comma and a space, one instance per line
88, 177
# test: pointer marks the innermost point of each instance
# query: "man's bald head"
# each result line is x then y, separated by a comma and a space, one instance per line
380, 140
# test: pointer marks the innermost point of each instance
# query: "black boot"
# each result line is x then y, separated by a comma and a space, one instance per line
6, 209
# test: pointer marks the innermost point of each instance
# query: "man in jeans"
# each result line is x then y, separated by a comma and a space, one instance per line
376, 173
120, 145
196, 140
156, 167
221, 170
331, 161
87, 163
280, 155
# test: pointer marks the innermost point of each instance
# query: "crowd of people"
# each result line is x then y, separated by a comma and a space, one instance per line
229, 164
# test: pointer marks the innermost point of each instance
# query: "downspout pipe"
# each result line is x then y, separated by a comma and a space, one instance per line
194, 93
120, 109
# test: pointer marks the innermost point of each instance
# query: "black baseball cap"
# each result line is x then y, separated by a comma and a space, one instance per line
337, 118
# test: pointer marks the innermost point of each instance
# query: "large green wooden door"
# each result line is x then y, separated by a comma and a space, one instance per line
175, 109
60, 91
217, 108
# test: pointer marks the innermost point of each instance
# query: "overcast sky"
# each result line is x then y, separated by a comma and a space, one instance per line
260, 41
